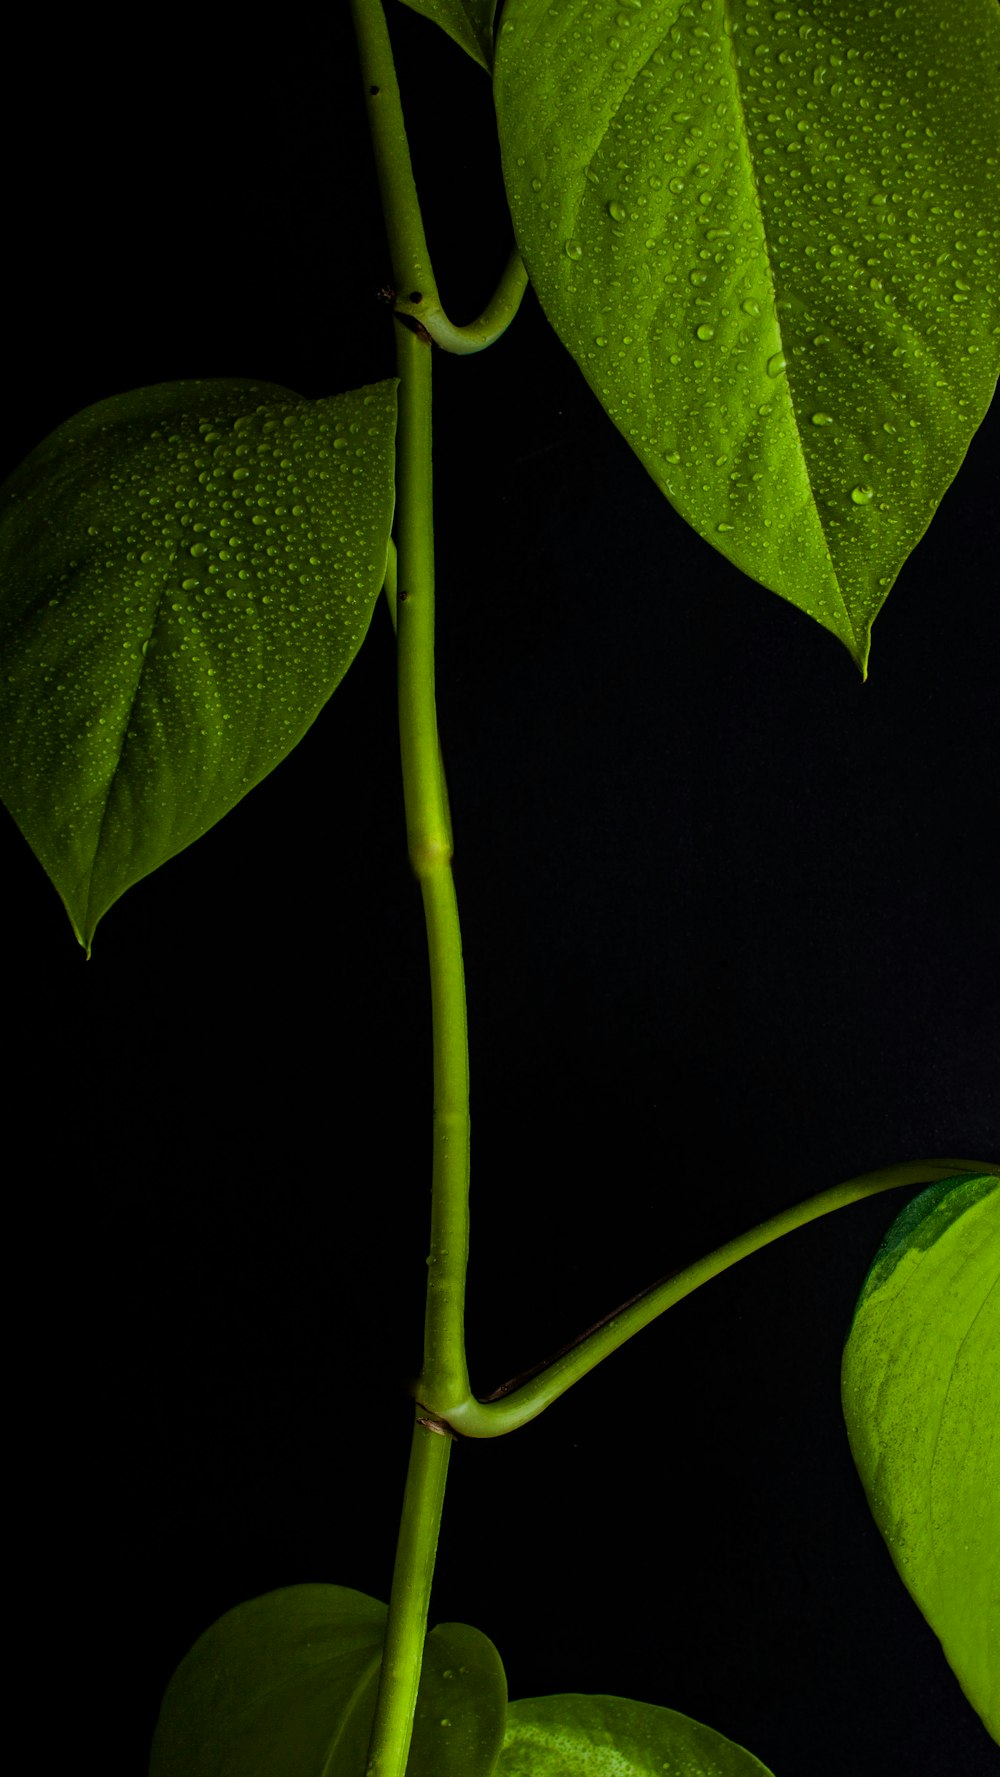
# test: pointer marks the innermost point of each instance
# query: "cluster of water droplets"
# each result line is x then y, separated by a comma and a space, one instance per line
208, 575
758, 247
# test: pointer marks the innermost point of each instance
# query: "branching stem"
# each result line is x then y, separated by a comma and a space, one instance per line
415, 292
525, 1397
446, 1405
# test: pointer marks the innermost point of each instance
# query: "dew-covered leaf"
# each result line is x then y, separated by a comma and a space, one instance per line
468, 22
921, 1395
285, 1686
186, 573
768, 236
582, 1736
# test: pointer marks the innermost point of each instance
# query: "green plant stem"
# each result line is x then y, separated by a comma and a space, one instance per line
428, 834
521, 1400
476, 335
415, 287
410, 590
406, 1628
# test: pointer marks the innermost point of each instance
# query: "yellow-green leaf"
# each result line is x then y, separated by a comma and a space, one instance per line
921, 1395
582, 1736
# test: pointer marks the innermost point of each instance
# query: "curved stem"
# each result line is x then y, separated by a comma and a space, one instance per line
476, 335
523, 1399
416, 294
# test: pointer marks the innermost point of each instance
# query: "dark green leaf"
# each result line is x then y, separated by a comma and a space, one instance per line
186, 573
921, 1394
577, 1736
285, 1686
768, 236
468, 22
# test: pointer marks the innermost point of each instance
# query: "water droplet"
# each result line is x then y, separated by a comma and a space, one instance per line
723, 527
776, 364
750, 307
704, 331
822, 419
573, 250
862, 495
616, 211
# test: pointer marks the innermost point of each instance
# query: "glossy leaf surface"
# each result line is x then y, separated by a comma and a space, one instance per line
285, 1685
468, 22
768, 235
580, 1736
186, 573
921, 1395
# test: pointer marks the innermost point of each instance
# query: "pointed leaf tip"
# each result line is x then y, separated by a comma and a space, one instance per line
186, 573
753, 259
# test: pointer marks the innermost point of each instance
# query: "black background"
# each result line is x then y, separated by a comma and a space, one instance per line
731, 936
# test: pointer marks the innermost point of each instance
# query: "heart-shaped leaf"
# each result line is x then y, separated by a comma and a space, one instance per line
285, 1686
186, 573
767, 235
921, 1395
578, 1736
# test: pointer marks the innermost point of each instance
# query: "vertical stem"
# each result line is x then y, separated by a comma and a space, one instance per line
402, 1650
428, 835
428, 832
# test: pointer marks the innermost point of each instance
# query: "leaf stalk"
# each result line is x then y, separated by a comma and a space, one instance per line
525, 1397
415, 294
